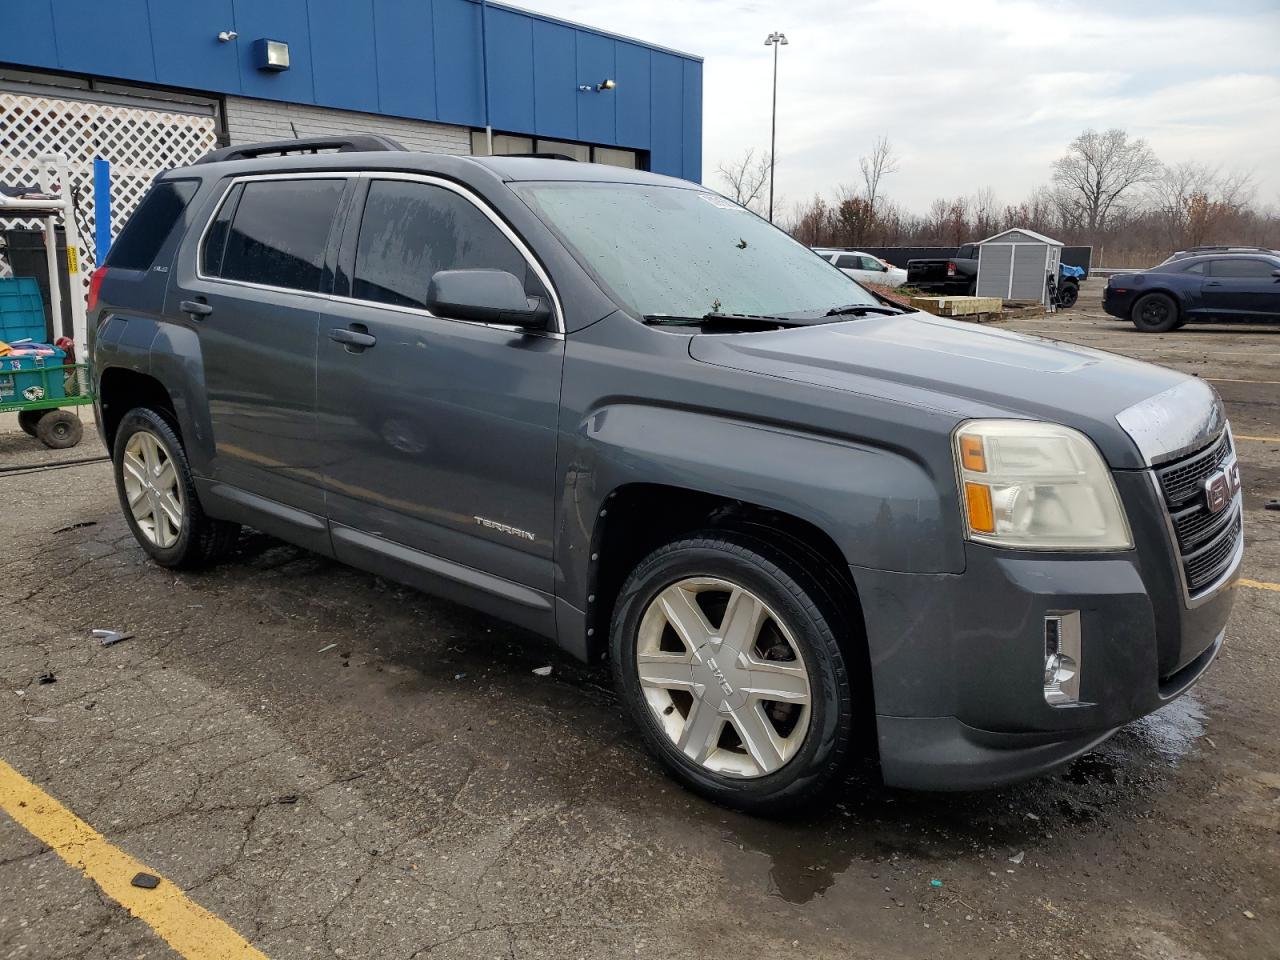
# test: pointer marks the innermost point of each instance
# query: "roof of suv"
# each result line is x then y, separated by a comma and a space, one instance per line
508, 169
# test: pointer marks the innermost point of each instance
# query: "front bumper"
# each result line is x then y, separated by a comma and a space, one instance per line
958, 659
1117, 304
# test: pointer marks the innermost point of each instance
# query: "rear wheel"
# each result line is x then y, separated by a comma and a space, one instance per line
726, 651
27, 420
59, 429
1155, 313
157, 492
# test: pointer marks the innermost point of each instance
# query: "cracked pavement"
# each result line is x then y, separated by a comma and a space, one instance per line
417, 791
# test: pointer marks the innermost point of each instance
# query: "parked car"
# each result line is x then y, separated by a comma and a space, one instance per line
621, 412
1199, 251
956, 275
1228, 286
865, 268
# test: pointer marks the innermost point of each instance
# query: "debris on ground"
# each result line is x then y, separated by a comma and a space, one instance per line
935, 883
1017, 857
287, 798
1271, 505
46, 678
146, 881
109, 637
1250, 915
542, 671
459, 676
326, 647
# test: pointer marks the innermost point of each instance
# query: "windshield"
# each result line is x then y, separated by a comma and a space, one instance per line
671, 251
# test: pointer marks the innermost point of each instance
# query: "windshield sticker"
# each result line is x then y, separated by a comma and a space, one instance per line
724, 203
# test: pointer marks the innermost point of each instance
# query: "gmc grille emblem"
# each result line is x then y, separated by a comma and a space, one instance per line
1220, 486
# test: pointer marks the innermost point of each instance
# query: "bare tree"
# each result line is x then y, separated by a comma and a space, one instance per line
881, 162
746, 178
1098, 170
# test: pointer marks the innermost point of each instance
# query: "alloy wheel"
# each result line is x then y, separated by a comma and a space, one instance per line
152, 489
724, 677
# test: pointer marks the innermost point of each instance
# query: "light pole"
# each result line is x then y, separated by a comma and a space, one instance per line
774, 40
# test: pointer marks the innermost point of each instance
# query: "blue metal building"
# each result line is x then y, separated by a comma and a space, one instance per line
429, 72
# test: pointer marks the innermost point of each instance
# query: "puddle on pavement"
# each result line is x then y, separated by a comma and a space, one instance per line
873, 826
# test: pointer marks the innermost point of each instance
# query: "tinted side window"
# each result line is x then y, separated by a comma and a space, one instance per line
215, 239
412, 230
1241, 268
1195, 268
279, 232
849, 261
150, 225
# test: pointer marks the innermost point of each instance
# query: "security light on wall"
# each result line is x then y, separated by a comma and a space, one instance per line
598, 88
270, 54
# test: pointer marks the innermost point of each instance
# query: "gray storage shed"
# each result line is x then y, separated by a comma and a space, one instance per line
1013, 265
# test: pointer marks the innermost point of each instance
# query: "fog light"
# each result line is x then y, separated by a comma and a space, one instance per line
1062, 658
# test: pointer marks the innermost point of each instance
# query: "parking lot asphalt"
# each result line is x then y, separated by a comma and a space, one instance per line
333, 766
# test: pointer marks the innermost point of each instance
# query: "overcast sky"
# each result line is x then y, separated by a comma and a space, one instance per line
972, 93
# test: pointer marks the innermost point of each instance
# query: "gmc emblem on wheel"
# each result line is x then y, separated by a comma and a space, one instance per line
719, 675
1220, 486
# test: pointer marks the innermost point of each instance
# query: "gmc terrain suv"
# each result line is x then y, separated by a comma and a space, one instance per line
631, 416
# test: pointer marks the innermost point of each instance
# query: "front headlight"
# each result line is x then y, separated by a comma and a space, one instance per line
1037, 486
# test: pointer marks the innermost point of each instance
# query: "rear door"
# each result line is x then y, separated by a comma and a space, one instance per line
852, 264
1243, 287
251, 291
441, 432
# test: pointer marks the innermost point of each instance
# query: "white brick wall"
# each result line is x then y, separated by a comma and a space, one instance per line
249, 121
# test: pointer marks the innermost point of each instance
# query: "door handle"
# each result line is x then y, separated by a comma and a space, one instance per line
352, 338
1213, 283
195, 308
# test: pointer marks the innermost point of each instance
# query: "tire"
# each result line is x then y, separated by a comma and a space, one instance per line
1155, 313
146, 446
795, 652
1068, 294
59, 429
972, 289
27, 420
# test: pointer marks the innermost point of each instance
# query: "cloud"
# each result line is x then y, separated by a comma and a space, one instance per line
983, 93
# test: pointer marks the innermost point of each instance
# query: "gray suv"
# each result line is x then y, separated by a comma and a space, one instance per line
631, 416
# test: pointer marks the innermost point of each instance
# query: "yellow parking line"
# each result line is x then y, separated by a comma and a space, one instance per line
1259, 585
1241, 436
182, 923
1272, 383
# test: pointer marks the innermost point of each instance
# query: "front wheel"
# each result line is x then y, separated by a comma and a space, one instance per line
158, 494
1155, 313
726, 651
1068, 294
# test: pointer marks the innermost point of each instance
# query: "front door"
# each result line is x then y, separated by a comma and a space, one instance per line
441, 433
252, 294
1243, 288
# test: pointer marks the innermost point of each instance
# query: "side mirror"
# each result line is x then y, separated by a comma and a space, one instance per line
486, 296
883, 268
1275, 273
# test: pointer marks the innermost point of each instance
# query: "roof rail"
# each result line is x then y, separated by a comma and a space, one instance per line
540, 156
352, 144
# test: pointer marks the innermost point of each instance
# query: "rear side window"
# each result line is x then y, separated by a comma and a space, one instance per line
278, 233
146, 231
410, 231
1241, 268
849, 262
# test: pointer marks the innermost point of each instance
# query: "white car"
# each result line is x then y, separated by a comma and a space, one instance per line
865, 268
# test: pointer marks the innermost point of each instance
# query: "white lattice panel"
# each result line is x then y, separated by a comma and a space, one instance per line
138, 142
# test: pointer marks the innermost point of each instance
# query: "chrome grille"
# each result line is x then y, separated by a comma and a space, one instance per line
1184, 479
1207, 541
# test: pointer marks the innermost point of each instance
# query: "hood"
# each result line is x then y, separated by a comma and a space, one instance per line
971, 371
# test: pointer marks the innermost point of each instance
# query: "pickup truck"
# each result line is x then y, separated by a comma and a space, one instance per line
953, 275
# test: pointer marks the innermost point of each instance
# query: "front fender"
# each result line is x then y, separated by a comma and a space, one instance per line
882, 509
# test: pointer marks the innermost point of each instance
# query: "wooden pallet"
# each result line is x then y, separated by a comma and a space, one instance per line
957, 306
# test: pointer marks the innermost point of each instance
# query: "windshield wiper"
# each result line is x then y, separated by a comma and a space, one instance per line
739, 321
858, 309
